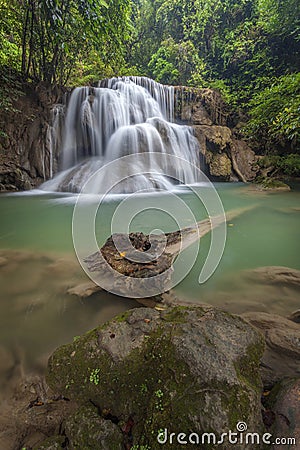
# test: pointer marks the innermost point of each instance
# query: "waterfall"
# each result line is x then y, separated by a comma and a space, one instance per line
124, 116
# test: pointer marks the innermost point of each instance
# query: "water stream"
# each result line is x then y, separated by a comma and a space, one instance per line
38, 264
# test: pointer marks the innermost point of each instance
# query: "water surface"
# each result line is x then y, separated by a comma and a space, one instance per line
38, 265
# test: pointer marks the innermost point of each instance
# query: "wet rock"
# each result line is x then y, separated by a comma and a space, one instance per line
284, 403
215, 142
84, 289
282, 355
85, 429
13, 177
31, 414
184, 368
199, 106
200, 116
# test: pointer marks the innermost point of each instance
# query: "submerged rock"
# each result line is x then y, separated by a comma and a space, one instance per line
278, 275
185, 369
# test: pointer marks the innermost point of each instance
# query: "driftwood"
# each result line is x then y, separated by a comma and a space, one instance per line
133, 264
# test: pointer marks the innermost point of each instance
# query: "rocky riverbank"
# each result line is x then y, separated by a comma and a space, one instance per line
152, 372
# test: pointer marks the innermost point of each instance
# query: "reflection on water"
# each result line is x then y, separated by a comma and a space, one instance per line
38, 266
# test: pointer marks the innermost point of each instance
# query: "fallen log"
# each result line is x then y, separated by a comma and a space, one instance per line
136, 263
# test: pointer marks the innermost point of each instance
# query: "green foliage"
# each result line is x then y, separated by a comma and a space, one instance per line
240, 47
176, 63
163, 62
275, 113
49, 40
283, 165
10, 32
247, 49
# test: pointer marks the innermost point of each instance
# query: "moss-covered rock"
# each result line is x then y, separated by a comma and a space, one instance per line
183, 369
271, 184
86, 430
52, 443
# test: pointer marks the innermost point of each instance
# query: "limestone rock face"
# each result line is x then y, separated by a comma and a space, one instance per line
183, 369
215, 138
225, 157
244, 158
219, 166
215, 142
200, 106
25, 157
196, 114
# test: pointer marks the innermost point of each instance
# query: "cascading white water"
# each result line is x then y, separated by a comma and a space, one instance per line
124, 116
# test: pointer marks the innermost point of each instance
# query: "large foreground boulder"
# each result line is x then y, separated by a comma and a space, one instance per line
151, 373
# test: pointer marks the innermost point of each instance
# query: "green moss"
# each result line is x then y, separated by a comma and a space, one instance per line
122, 317
247, 368
85, 429
178, 314
175, 315
271, 184
153, 383
52, 443
94, 376
72, 366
